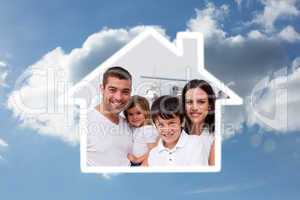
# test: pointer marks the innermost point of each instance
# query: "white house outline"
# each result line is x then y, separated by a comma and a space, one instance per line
177, 50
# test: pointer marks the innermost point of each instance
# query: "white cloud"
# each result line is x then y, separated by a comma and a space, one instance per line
227, 188
274, 10
232, 119
274, 103
239, 4
256, 34
296, 63
243, 4
244, 50
3, 73
34, 99
207, 21
3, 145
108, 176
3, 64
289, 34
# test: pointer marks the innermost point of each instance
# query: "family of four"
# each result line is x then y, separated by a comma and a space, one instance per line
173, 132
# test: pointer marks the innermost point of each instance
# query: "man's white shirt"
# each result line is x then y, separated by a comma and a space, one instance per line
107, 143
189, 151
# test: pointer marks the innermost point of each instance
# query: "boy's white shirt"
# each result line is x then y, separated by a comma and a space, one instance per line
188, 151
141, 137
107, 143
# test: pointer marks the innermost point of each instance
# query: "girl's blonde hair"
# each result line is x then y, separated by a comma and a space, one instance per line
143, 103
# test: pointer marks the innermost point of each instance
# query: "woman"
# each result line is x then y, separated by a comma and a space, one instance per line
198, 100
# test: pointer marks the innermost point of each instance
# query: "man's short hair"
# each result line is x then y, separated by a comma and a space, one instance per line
166, 107
117, 72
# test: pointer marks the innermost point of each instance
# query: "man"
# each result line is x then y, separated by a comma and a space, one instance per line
109, 139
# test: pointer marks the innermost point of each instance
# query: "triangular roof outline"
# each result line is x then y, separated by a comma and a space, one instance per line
176, 49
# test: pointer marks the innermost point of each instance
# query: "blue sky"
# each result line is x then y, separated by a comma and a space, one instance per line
244, 43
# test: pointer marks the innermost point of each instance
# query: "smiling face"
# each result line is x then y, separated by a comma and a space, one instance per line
136, 116
116, 94
196, 105
169, 130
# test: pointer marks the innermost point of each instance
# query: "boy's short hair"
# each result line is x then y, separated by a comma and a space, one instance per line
166, 107
117, 72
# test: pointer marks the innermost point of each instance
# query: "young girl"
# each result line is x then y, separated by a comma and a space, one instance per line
144, 134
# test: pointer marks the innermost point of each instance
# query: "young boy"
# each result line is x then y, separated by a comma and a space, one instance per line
175, 147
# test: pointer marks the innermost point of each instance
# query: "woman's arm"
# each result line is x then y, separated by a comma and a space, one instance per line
131, 157
141, 159
211, 158
144, 157
145, 163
